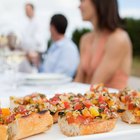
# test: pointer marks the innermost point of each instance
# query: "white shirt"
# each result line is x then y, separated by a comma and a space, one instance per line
32, 38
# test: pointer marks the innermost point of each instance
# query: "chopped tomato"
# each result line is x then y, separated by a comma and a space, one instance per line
68, 114
10, 118
92, 88
80, 119
134, 93
87, 103
55, 98
105, 89
57, 95
78, 106
130, 106
67, 105
22, 110
70, 119
101, 99
0, 111
127, 98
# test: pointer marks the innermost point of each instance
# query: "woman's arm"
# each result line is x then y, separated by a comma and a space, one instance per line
80, 76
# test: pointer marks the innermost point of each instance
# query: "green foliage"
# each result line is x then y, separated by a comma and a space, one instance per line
133, 29
49, 43
77, 35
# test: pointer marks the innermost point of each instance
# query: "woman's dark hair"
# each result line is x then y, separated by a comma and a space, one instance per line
108, 14
60, 22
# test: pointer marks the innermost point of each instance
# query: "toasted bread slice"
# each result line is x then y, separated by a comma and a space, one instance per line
3, 132
86, 129
130, 118
30, 125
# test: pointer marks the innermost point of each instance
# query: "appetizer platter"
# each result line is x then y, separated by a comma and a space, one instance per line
98, 113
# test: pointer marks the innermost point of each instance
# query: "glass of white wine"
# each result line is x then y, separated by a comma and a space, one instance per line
13, 59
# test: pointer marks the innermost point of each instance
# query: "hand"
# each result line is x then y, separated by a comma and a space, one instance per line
34, 58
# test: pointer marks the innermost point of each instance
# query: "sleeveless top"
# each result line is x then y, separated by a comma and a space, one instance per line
90, 65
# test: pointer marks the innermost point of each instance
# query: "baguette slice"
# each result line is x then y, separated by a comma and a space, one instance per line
30, 125
130, 118
3, 132
85, 129
55, 117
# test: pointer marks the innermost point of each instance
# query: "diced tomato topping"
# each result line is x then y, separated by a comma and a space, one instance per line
134, 94
10, 118
127, 98
87, 103
22, 110
78, 106
101, 99
80, 119
105, 90
130, 106
0, 111
54, 98
92, 88
67, 105
57, 95
69, 114
71, 120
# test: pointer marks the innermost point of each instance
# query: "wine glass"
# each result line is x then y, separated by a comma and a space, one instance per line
13, 59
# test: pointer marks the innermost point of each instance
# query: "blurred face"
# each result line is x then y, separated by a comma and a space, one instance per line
29, 11
88, 10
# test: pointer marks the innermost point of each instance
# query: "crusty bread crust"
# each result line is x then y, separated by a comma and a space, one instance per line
13, 104
55, 117
30, 125
129, 117
86, 129
3, 132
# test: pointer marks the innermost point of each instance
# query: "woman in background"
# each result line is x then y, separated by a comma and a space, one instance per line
106, 52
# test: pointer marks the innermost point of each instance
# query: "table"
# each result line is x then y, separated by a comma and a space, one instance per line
122, 130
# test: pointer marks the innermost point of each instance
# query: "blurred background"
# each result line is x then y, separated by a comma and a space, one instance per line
12, 15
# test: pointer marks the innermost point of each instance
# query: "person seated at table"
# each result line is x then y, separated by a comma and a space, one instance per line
63, 55
106, 52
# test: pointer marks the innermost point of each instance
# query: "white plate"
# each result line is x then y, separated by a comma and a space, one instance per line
46, 79
122, 131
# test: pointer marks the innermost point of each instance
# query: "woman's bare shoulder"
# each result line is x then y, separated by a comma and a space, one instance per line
87, 36
119, 38
119, 35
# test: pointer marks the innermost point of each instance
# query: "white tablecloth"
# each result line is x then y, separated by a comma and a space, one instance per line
122, 130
